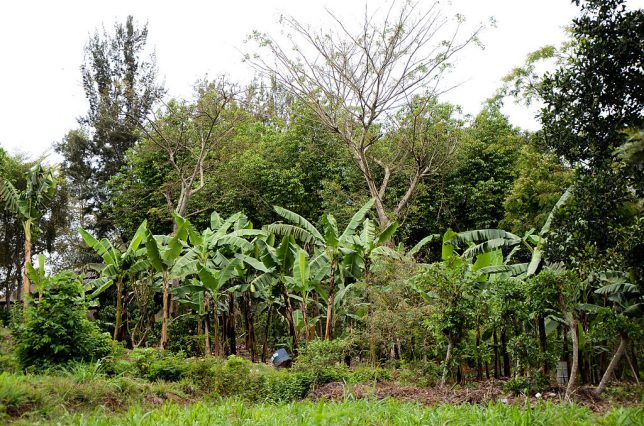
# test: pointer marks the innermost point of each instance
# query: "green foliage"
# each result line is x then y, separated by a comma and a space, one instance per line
364, 412
323, 353
8, 360
153, 364
540, 182
56, 329
420, 373
527, 385
284, 386
116, 78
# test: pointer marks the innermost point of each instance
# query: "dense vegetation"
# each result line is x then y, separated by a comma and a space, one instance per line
338, 209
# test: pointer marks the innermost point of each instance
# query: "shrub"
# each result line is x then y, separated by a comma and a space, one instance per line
8, 360
201, 372
420, 373
323, 360
364, 374
183, 336
237, 377
56, 329
153, 364
323, 353
527, 385
285, 386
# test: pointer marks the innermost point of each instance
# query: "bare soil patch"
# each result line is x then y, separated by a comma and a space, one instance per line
476, 393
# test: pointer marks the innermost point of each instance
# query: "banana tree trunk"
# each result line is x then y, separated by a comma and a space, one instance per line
621, 349
166, 311
289, 318
328, 331
215, 317
118, 322
266, 331
25, 278
250, 321
230, 328
305, 318
206, 306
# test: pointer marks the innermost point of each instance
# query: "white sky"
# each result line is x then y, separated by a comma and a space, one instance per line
41, 50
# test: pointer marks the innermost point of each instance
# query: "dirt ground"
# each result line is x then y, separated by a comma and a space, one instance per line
477, 393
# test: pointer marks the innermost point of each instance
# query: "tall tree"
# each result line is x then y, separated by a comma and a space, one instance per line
187, 133
29, 206
590, 102
121, 88
356, 81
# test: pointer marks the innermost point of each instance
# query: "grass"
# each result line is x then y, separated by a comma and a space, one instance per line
362, 412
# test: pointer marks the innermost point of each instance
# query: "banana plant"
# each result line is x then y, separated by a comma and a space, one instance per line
307, 276
212, 258
335, 246
163, 253
119, 264
488, 240
279, 261
29, 206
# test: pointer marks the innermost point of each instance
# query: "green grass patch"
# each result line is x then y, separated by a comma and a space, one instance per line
363, 412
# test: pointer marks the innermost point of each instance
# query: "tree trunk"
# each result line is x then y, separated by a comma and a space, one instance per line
166, 311
328, 332
507, 371
289, 318
479, 365
317, 330
251, 328
206, 303
215, 316
448, 358
623, 343
495, 342
574, 368
266, 331
232, 338
542, 343
7, 286
118, 321
565, 350
636, 367
305, 318
25, 278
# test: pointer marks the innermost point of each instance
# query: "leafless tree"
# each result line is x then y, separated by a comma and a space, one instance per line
188, 132
357, 80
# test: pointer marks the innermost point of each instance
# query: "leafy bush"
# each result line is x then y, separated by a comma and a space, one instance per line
56, 329
324, 360
285, 386
527, 385
8, 360
201, 373
420, 373
183, 336
364, 374
153, 364
237, 377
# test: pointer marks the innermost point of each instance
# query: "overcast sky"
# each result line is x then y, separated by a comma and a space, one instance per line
41, 50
